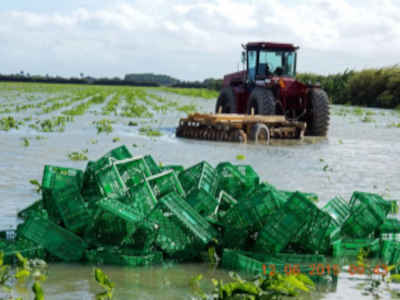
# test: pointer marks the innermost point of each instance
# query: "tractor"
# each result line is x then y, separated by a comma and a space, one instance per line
268, 86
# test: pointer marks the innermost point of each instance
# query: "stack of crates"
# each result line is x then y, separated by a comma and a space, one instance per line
200, 183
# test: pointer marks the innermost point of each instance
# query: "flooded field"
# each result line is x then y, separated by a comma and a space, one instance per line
65, 124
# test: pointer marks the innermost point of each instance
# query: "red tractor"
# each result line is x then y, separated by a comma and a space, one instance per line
268, 86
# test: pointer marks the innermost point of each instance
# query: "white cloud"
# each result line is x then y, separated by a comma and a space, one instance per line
197, 39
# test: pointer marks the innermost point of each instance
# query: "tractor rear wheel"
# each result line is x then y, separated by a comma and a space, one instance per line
226, 102
318, 123
262, 102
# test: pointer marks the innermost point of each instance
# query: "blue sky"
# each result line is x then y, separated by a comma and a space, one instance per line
192, 39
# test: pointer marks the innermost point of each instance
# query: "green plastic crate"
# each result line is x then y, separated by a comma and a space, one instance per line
225, 202
177, 168
111, 182
315, 238
283, 226
231, 180
26, 248
390, 252
121, 210
201, 175
234, 260
385, 206
55, 239
390, 226
352, 247
141, 198
124, 257
59, 177
172, 238
188, 217
34, 207
395, 237
119, 153
252, 214
133, 171
251, 176
338, 209
288, 258
366, 216
154, 168
202, 201
55, 178
72, 208
164, 183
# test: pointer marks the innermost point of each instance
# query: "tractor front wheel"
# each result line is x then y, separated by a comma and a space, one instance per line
261, 102
318, 123
226, 102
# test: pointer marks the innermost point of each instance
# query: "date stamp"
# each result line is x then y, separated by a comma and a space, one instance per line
320, 269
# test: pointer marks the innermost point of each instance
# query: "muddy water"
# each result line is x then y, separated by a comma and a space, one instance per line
356, 156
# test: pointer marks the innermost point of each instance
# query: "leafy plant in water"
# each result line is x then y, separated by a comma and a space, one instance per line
103, 126
116, 139
148, 131
240, 157
77, 156
26, 142
36, 184
270, 287
108, 286
8, 123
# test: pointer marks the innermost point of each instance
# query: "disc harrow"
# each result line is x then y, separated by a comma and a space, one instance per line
239, 128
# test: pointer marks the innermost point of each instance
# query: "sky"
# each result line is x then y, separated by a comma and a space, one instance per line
192, 40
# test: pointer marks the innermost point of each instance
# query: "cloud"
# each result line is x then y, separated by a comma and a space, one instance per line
197, 39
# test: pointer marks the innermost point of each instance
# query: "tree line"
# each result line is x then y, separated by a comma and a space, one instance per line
369, 87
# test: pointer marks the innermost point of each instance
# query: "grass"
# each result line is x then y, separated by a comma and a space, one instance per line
148, 131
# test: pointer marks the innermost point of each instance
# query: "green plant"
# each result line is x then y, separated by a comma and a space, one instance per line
103, 126
26, 142
8, 123
25, 272
148, 131
189, 108
108, 286
240, 157
36, 184
116, 139
269, 287
77, 156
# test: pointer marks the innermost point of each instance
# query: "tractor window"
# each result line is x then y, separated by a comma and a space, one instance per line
251, 65
277, 62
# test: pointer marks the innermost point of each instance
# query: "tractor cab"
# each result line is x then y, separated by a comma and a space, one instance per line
267, 60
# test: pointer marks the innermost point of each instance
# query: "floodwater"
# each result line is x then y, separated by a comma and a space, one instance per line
356, 155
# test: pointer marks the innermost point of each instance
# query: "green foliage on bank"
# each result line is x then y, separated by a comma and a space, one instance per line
369, 87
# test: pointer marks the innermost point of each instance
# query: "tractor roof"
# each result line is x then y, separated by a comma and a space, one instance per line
270, 45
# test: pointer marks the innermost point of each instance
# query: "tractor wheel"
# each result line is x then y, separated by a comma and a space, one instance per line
226, 102
318, 123
260, 133
262, 101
